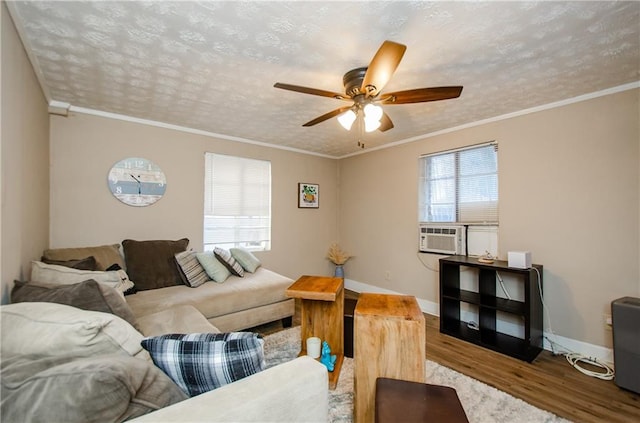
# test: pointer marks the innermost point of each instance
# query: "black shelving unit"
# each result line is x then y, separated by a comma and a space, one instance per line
488, 304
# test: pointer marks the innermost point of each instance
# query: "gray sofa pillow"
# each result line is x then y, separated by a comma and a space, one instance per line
87, 295
104, 255
106, 388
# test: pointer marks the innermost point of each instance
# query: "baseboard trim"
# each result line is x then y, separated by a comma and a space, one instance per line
566, 344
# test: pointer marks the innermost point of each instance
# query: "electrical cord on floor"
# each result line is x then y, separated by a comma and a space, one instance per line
574, 358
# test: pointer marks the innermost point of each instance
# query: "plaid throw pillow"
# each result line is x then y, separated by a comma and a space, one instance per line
227, 259
200, 362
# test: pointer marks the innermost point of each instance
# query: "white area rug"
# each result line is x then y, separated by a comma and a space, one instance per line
481, 402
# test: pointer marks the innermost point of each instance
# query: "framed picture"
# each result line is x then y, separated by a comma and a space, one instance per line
308, 196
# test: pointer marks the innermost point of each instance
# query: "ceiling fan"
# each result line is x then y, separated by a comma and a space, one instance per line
363, 87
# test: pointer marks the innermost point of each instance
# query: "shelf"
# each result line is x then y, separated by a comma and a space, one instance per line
503, 304
530, 310
496, 341
462, 295
500, 304
500, 265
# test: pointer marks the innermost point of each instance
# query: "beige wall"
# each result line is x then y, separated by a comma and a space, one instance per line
24, 142
83, 211
569, 193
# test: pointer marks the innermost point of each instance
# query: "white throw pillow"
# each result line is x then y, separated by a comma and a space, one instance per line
51, 273
58, 330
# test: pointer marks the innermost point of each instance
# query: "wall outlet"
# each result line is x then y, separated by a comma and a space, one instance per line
387, 275
607, 321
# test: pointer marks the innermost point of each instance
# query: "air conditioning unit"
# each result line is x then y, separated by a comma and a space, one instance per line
442, 239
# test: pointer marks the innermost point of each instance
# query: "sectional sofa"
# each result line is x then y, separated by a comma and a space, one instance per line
71, 344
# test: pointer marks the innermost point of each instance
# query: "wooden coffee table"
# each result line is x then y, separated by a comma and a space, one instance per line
322, 300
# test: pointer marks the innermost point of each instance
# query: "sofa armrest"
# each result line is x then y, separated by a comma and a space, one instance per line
295, 391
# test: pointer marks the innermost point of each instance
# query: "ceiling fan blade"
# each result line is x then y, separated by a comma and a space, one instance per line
382, 67
385, 123
421, 95
312, 91
326, 116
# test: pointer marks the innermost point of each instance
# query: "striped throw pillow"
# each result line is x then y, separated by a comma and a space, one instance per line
192, 272
227, 259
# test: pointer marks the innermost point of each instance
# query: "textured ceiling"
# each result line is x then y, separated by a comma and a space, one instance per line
211, 65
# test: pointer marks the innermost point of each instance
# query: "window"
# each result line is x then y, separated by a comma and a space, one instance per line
460, 186
237, 203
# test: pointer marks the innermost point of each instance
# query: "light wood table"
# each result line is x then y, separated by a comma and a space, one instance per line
390, 341
322, 300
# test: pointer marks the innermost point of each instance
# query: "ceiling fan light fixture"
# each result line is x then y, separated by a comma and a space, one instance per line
371, 125
346, 119
373, 112
372, 116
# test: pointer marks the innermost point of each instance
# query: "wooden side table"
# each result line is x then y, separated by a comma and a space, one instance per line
322, 315
390, 342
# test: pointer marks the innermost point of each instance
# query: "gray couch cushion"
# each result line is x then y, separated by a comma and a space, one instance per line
105, 388
104, 255
87, 295
88, 263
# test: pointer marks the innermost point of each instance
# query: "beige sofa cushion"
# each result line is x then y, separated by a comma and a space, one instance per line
51, 273
105, 388
295, 391
105, 255
178, 319
57, 330
216, 299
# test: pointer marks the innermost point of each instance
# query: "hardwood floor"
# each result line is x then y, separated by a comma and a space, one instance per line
549, 382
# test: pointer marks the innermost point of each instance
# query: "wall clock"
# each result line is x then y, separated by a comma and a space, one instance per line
137, 181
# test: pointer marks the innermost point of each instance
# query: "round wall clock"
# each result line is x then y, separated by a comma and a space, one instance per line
137, 182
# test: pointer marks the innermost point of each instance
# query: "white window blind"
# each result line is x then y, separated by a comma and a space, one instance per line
460, 186
237, 202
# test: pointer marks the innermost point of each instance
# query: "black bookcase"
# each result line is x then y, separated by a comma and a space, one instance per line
528, 312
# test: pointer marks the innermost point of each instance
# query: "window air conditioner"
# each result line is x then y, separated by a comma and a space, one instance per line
442, 239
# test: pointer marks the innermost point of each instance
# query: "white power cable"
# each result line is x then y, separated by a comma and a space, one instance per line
574, 358
504, 289
425, 264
